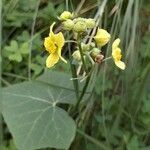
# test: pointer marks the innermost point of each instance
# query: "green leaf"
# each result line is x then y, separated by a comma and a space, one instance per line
15, 57
27, 5
24, 48
13, 46
133, 144
16, 51
60, 79
56, 78
33, 117
25, 36
36, 68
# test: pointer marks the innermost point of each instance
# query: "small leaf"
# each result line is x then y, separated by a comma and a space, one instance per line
36, 68
24, 48
25, 36
15, 57
13, 46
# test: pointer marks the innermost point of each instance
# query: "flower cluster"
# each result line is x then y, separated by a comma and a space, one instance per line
85, 51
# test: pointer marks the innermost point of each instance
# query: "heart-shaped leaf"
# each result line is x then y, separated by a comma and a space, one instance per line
33, 117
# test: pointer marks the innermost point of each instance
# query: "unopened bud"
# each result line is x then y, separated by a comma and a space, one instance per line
76, 55
90, 23
102, 37
66, 15
68, 25
95, 52
92, 44
79, 19
85, 47
99, 58
80, 26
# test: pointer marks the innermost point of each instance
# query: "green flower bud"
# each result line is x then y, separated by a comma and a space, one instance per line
80, 26
76, 55
92, 44
85, 47
90, 23
79, 19
66, 15
68, 24
95, 52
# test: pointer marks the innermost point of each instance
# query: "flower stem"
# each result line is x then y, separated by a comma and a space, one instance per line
70, 41
81, 96
106, 59
81, 53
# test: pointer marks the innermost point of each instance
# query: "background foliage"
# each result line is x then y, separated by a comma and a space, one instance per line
118, 115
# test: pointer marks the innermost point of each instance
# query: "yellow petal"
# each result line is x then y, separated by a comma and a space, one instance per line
116, 54
101, 41
120, 64
51, 60
59, 54
49, 45
51, 33
115, 44
59, 39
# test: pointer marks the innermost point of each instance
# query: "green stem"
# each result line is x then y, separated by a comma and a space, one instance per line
73, 71
75, 82
1, 120
70, 41
81, 53
107, 59
82, 93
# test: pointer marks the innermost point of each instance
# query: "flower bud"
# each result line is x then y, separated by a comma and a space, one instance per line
92, 44
99, 58
80, 26
79, 19
68, 24
76, 55
85, 47
90, 23
66, 15
95, 52
102, 37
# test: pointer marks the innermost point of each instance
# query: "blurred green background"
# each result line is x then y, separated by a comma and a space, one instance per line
121, 116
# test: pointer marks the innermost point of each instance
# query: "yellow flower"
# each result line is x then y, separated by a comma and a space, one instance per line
102, 37
53, 44
116, 54
66, 15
